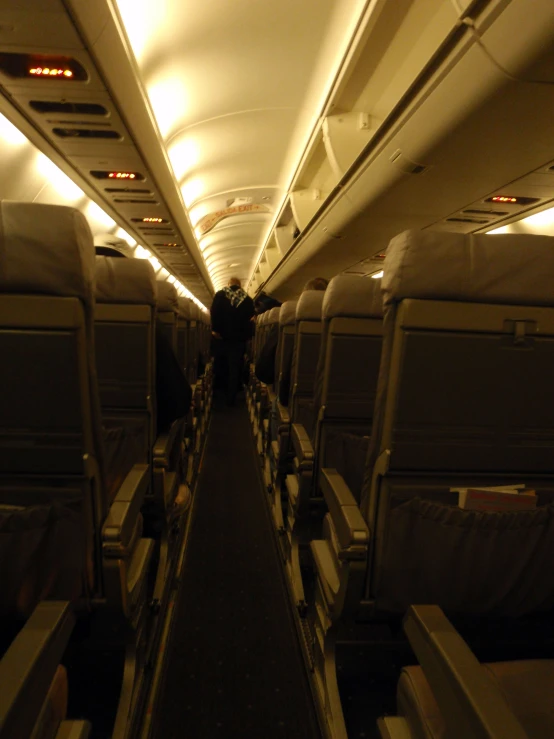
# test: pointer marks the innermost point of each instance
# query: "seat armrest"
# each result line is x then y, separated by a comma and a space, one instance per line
303, 448
28, 667
165, 444
351, 529
469, 699
120, 528
283, 415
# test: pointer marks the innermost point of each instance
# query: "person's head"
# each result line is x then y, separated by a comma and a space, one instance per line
234, 282
317, 283
108, 251
110, 245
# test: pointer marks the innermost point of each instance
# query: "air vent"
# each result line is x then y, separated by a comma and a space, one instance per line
468, 220
139, 202
86, 133
128, 189
496, 213
42, 67
48, 106
106, 174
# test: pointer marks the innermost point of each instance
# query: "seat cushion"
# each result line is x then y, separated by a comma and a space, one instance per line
527, 686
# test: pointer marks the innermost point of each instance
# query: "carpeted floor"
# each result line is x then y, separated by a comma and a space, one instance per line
235, 669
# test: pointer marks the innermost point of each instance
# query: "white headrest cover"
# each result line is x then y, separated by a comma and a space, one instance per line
353, 296
287, 316
167, 300
184, 307
130, 281
273, 316
309, 305
45, 250
478, 268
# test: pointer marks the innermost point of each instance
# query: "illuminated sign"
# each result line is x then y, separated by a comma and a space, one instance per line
101, 174
212, 219
150, 219
512, 200
42, 66
47, 72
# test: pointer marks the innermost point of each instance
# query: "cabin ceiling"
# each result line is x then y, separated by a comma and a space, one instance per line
237, 89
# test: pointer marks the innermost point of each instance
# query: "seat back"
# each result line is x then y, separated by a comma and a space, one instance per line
193, 343
183, 319
272, 324
464, 399
52, 488
126, 295
167, 310
306, 354
285, 350
348, 367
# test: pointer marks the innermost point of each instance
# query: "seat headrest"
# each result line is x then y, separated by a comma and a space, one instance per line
309, 305
167, 300
130, 281
287, 316
353, 296
184, 307
478, 268
273, 316
193, 310
46, 250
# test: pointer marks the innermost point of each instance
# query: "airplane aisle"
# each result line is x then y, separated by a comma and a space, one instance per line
234, 667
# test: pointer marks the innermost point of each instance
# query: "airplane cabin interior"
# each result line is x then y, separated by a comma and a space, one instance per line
361, 546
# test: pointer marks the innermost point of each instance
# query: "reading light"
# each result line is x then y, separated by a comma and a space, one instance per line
377, 275
121, 175
512, 199
106, 174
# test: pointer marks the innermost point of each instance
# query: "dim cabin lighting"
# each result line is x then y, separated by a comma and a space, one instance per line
377, 275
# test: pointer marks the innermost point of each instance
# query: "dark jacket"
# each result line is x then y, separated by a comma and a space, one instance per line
231, 312
173, 392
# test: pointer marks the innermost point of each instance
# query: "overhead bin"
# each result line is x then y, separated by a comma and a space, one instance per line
465, 130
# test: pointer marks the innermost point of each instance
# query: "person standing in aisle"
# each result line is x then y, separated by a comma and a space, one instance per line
231, 313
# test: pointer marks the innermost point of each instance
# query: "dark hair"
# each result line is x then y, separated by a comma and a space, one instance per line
317, 283
108, 251
264, 302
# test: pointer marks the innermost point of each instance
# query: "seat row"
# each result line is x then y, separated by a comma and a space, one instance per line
92, 485
434, 378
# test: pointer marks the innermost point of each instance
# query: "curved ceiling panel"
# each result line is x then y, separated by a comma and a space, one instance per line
234, 87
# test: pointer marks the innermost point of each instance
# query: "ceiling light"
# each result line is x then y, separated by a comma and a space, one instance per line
501, 230
155, 263
377, 275
126, 237
171, 279
184, 156
164, 273
191, 191
63, 185
96, 213
168, 100
10, 134
142, 253
542, 220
